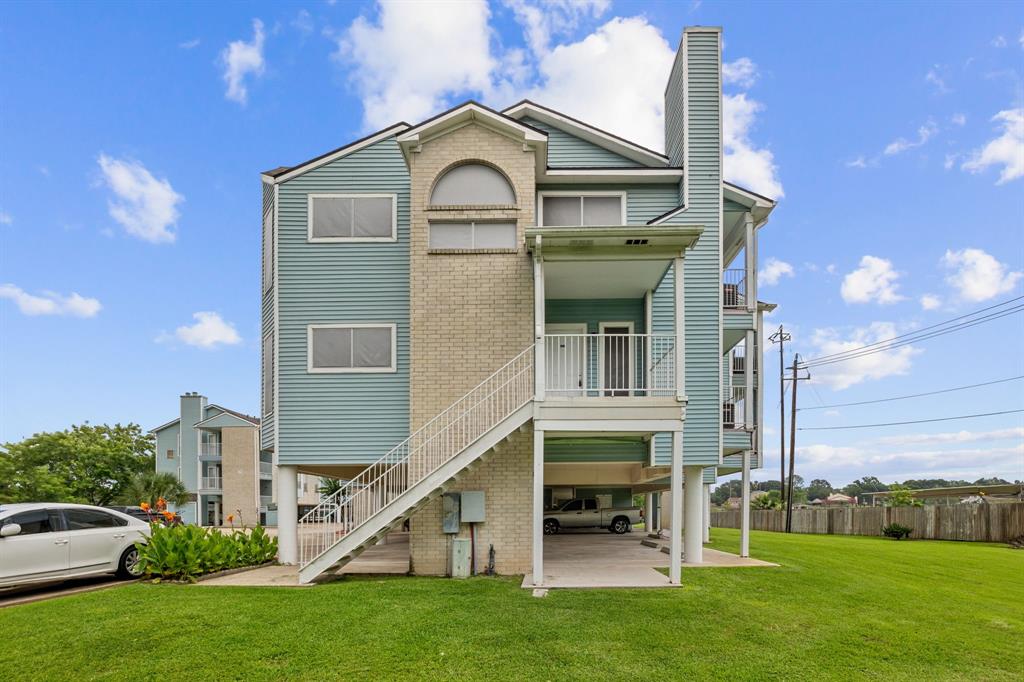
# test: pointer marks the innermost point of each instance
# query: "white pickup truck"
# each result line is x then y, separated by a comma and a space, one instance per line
586, 512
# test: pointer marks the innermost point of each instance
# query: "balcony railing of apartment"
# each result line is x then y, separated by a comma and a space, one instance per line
734, 409
739, 359
266, 500
734, 288
266, 468
209, 449
596, 365
212, 482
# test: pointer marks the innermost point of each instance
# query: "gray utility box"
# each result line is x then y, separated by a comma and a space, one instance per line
472, 507
450, 512
460, 558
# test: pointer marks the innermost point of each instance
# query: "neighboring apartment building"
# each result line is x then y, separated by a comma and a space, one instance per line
516, 303
215, 453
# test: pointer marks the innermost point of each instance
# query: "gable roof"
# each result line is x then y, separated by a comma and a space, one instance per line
585, 131
245, 417
284, 173
229, 419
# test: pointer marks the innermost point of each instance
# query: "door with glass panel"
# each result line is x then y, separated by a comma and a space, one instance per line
616, 359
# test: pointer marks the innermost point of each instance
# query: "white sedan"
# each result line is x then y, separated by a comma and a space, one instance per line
42, 542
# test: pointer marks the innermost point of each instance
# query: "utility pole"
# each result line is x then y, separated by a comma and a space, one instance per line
780, 337
792, 444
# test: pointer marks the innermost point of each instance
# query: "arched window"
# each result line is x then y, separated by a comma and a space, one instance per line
472, 184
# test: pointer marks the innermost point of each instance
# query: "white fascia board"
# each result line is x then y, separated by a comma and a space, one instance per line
610, 175
588, 133
334, 156
467, 112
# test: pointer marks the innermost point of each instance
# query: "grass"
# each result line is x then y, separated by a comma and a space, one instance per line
838, 607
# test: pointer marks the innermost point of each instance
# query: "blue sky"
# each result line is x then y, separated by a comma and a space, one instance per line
132, 139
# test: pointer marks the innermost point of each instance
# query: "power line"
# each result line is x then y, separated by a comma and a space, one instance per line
915, 395
862, 352
916, 421
913, 333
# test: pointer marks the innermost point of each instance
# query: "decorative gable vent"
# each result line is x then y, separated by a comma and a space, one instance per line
636, 242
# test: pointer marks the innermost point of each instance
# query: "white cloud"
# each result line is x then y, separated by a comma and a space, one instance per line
1015, 433
415, 55
209, 331
999, 41
859, 162
978, 276
902, 144
1006, 151
241, 59
303, 22
830, 268
874, 281
5, 218
542, 21
950, 161
842, 375
934, 78
930, 302
592, 81
773, 270
145, 207
742, 72
50, 303
189, 44
745, 164
958, 119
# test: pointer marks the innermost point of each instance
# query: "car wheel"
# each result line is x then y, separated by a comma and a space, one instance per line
620, 526
550, 527
128, 566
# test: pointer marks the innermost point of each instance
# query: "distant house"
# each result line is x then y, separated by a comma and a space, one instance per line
838, 499
735, 502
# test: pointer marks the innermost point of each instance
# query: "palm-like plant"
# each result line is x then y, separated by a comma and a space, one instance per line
151, 486
329, 486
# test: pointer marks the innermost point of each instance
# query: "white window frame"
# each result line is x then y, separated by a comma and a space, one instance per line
472, 231
352, 370
587, 193
351, 240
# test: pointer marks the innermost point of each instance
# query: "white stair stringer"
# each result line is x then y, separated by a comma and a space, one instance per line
392, 515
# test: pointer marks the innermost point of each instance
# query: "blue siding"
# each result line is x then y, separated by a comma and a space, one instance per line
267, 327
342, 418
593, 311
595, 450
568, 151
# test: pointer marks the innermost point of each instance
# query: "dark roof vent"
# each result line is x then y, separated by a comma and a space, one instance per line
636, 242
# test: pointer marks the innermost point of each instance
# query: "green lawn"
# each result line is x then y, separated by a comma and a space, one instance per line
838, 607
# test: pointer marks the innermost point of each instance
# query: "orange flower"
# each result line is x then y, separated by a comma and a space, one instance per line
144, 506
161, 503
168, 515
231, 518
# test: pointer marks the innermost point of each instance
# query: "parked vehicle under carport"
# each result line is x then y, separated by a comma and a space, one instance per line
586, 512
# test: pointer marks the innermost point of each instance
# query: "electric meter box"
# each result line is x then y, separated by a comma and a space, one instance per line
472, 504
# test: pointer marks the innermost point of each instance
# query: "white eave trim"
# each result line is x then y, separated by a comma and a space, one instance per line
464, 113
588, 133
746, 197
334, 156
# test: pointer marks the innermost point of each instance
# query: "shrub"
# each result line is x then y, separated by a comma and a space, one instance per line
187, 552
897, 531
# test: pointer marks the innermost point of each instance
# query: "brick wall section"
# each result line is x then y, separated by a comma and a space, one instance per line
506, 479
470, 314
239, 474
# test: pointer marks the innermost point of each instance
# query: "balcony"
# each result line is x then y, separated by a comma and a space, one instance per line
266, 500
211, 483
266, 469
610, 365
734, 409
209, 450
734, 288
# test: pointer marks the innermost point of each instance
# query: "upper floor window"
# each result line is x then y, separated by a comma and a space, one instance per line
473, 184
472, 236
342, 348
352, 217
572, 210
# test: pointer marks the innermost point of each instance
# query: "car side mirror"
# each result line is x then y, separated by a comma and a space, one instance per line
9, 530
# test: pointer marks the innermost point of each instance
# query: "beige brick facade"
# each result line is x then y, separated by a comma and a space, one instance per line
239, 474
470, 314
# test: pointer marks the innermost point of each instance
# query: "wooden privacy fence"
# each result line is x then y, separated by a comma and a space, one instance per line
972, 522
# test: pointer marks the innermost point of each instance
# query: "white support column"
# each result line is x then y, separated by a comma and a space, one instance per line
649, 513
538, 323
675, 545
538, 507
759, 378
648, 329
749, 406
750, 257
707, 513
693, 533
287, 514
745, 507
680, 327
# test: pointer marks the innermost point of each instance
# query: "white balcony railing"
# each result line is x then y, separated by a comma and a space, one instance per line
209, 449
267, 468
734, 288
596, 365
212, 483
734, 409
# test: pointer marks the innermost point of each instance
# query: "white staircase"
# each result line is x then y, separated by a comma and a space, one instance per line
416, 471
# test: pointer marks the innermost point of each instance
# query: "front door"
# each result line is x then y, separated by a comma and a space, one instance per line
616, 351
564, 359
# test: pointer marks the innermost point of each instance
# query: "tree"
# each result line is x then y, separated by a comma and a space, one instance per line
329, 486
770, 501
902, 496
89, 464
726, 490
151, 486
868, 484
819, 489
